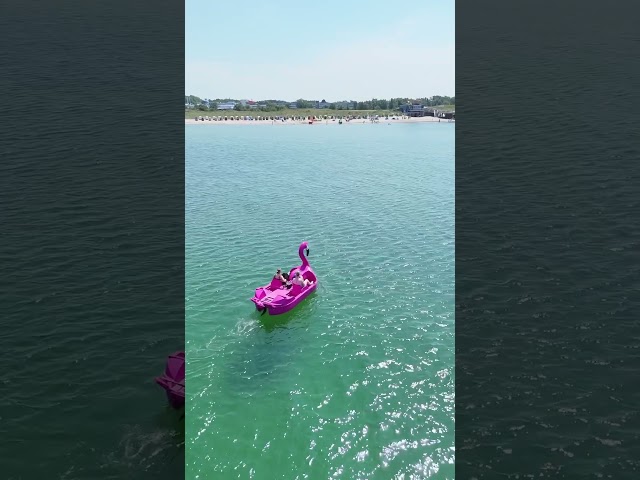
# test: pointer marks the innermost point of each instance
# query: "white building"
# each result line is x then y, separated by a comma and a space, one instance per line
226, 106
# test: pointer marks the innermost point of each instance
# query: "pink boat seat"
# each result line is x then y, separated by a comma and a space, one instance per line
275, 284
295, 290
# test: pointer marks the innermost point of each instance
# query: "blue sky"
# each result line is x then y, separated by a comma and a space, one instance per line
329, 49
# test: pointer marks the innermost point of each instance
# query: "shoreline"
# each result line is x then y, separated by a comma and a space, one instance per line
190, 121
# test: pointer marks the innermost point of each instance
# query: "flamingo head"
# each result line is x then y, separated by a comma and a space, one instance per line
301, 251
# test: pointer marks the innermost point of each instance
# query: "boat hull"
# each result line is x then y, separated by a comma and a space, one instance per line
175, 393
172, 381
275, 307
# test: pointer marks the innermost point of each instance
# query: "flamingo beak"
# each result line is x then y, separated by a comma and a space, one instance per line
307, 252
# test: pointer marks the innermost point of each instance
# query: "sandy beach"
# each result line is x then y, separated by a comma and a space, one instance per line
359, 121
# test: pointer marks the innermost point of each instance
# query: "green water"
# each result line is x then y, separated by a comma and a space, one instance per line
357, 381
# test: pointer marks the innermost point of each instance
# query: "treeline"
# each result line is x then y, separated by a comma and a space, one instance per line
277, 105
379, 104
264, 107
384, 104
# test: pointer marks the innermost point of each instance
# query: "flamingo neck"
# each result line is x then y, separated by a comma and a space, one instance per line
305, 262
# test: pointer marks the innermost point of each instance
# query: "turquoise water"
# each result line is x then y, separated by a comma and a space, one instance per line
357, 381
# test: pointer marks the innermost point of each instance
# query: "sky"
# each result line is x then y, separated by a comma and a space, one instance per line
329, 49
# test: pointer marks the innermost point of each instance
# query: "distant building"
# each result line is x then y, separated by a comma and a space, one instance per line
293, 105
413, 110
226, 106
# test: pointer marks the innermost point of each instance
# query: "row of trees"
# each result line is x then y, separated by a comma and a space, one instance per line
395, 103
381, 104
212, 105
374, 104
268, 107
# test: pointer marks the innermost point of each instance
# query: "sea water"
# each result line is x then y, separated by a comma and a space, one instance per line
358, 380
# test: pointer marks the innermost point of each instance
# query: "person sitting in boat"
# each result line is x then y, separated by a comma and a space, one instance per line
280, 277
298, 279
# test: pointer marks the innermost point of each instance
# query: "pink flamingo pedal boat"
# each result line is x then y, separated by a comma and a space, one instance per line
277, 298
173, 379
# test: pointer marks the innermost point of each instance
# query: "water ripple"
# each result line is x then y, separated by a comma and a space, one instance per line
359, 378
